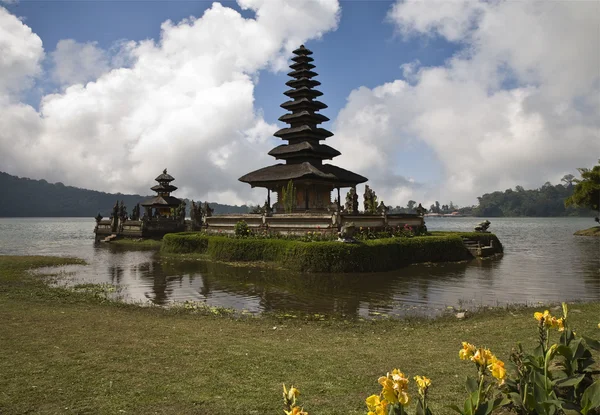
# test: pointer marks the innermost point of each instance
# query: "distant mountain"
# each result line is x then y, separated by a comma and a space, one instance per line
23, 197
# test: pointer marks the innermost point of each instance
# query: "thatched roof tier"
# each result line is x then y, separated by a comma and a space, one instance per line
298, 83
161, 202
302, 73
164, 177
302, 51
302, 58
304, 149
164, 188
303, 117
300, 104
306, 171
310, 133
303, 92
302, 65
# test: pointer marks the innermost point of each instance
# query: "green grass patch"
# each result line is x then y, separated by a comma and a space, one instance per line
595, 231
363, 256
87, 356
138, 243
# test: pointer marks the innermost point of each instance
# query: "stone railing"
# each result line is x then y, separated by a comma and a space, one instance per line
296, 223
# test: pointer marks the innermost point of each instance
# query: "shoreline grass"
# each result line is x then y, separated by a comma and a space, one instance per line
593, 231
73, 352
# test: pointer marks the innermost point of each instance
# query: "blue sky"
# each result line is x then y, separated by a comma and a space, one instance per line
479, 112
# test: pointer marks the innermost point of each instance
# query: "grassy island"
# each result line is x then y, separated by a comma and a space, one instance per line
331, 256
73, 352
595, 231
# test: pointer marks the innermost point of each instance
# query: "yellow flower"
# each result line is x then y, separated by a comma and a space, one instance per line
467, 351
496, 366
388, 389
559, 323
423, 383
395, 386
296, 410
599, 325
545, 316
482, 356
373, 401
376, 405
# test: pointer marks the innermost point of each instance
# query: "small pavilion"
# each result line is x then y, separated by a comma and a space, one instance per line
163, 202
303, 153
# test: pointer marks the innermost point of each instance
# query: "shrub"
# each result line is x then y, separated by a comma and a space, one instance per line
324, 256
241, 229
185, 242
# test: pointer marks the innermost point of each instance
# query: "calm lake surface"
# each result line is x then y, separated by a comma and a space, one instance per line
543, 262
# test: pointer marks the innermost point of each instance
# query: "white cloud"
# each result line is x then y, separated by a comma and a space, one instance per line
184, 102
75, 62
518, 104
21, 53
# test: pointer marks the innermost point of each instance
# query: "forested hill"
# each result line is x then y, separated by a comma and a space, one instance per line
548, 200
22, 197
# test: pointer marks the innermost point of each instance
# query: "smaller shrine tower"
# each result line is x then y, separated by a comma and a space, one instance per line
163, 202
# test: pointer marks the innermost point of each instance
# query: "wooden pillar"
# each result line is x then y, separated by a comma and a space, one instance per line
269, 197
306, 197
339, 200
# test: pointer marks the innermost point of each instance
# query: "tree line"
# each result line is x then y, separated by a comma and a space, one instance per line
23, 197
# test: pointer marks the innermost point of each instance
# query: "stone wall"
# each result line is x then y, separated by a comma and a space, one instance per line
296, 223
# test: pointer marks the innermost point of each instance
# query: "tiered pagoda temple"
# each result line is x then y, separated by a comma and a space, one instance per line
304, 154
163, 202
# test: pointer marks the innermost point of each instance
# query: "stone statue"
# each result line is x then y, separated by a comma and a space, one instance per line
352, 201
115, 211
208, 211
266, 210
421, 211
382, 208
193, 212
181, 210
114, 221
483, 226
123, 211
370, 200
135, 213
347, 232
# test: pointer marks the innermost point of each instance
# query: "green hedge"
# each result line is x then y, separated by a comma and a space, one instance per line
367, 256
184, 243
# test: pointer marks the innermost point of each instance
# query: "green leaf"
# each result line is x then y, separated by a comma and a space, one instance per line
471, 384
515, 398
570, 381
591, 397
593, 344
455, 408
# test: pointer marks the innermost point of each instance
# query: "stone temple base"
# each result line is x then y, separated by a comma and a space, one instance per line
292, 223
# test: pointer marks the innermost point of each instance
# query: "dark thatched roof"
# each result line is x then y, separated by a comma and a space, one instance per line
306, 170
164, 187
303, 131
302, 51
162, 201
165, 177
304, 148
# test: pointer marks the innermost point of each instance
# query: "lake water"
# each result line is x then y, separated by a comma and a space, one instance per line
543, 262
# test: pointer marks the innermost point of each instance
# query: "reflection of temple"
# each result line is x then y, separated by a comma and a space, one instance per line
163, 202
304, 154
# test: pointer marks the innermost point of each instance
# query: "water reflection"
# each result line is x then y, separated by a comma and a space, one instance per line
543, 261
